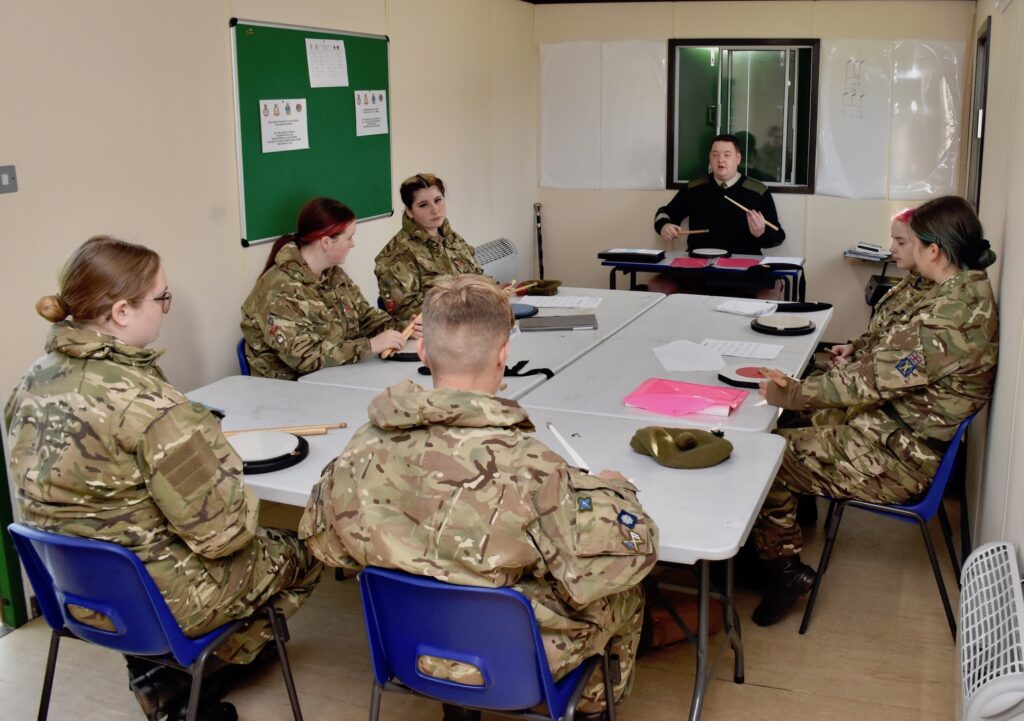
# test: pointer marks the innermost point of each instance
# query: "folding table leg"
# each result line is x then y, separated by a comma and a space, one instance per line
700, 685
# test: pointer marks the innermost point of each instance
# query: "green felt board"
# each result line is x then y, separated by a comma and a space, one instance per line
270, 63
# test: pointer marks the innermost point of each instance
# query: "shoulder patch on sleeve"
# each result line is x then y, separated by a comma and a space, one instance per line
755, 186
908, 364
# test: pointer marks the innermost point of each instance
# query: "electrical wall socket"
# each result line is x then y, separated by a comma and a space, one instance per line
8, 179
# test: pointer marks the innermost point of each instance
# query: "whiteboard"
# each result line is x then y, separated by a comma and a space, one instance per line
570, 127
925, 125
634, 82
853, 118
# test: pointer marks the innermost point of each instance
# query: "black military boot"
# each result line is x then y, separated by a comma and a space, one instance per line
791, 579
208, 711
457, 713
158, 689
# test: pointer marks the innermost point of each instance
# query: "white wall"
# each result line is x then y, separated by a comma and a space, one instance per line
119, 117
579, 223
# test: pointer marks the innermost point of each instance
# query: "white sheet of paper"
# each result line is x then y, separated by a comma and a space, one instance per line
685, 355
371, 112
791, 259
560, 301
283, 125
328, 66
750, 308
743, 348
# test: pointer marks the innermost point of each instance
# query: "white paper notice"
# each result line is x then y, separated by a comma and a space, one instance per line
283, 125
685, 355
743, 349
328, 67
561, 301
371, 112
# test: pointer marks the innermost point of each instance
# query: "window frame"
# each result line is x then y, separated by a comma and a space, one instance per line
742, 44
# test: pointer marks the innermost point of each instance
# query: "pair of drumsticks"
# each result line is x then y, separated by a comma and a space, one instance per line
310, 430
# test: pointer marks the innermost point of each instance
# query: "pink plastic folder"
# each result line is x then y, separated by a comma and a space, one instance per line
690, 263
737, 262
678, 398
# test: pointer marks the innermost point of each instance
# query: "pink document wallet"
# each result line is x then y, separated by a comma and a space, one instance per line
737, 262
689, 262
678, 398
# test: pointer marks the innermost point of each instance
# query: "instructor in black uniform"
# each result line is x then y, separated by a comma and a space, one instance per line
704, 202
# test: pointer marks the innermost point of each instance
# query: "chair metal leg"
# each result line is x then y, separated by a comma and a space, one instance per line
965, 524
947, 535
280, 629
938, 575
375, 701
51, 667
609, 687
835, 517
198, 671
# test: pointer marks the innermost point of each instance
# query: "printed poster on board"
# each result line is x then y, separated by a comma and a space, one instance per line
371, 112
328, 67
283, 125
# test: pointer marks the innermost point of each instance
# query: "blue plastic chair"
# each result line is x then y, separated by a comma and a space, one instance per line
920, 513
243, 362
493, 629
110, 579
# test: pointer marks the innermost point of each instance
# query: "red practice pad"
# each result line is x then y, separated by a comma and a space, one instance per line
741, 376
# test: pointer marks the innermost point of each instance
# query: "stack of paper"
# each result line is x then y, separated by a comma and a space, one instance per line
751, 308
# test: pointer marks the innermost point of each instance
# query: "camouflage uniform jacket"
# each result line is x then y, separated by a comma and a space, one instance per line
924, 375
451, 484
295, 322
893, 307
413, 261
101, 446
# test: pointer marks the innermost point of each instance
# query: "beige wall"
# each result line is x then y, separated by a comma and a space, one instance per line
579, 223
999, 498
119, 117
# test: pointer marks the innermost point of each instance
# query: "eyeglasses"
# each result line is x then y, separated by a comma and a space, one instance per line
165, 300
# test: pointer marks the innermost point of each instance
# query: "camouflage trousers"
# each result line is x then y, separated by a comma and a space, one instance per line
568, 642
206, 593
835, 460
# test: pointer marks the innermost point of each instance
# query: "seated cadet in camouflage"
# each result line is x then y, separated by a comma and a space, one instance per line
425, 250
305, 313
450, 483
103, 447
893, 306
886, 417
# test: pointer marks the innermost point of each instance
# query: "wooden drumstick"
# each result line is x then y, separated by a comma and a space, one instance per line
775, 376
311, 430
694, 232
405, 336
747, 210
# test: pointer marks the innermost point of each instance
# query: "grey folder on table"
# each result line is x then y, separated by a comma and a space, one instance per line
586, 321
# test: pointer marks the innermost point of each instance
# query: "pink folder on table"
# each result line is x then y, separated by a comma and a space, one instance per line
737, 262
689, 262
678, 398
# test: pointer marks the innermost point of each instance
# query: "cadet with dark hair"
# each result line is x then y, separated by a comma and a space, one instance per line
424, 251
450, 483
304, 312
103, 447
884, 419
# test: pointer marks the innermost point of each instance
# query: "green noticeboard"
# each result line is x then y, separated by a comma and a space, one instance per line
291, 92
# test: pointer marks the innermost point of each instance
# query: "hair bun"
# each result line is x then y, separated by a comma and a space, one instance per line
52, 308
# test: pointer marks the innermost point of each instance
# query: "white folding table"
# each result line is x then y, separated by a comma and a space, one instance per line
600, 380
553, 350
